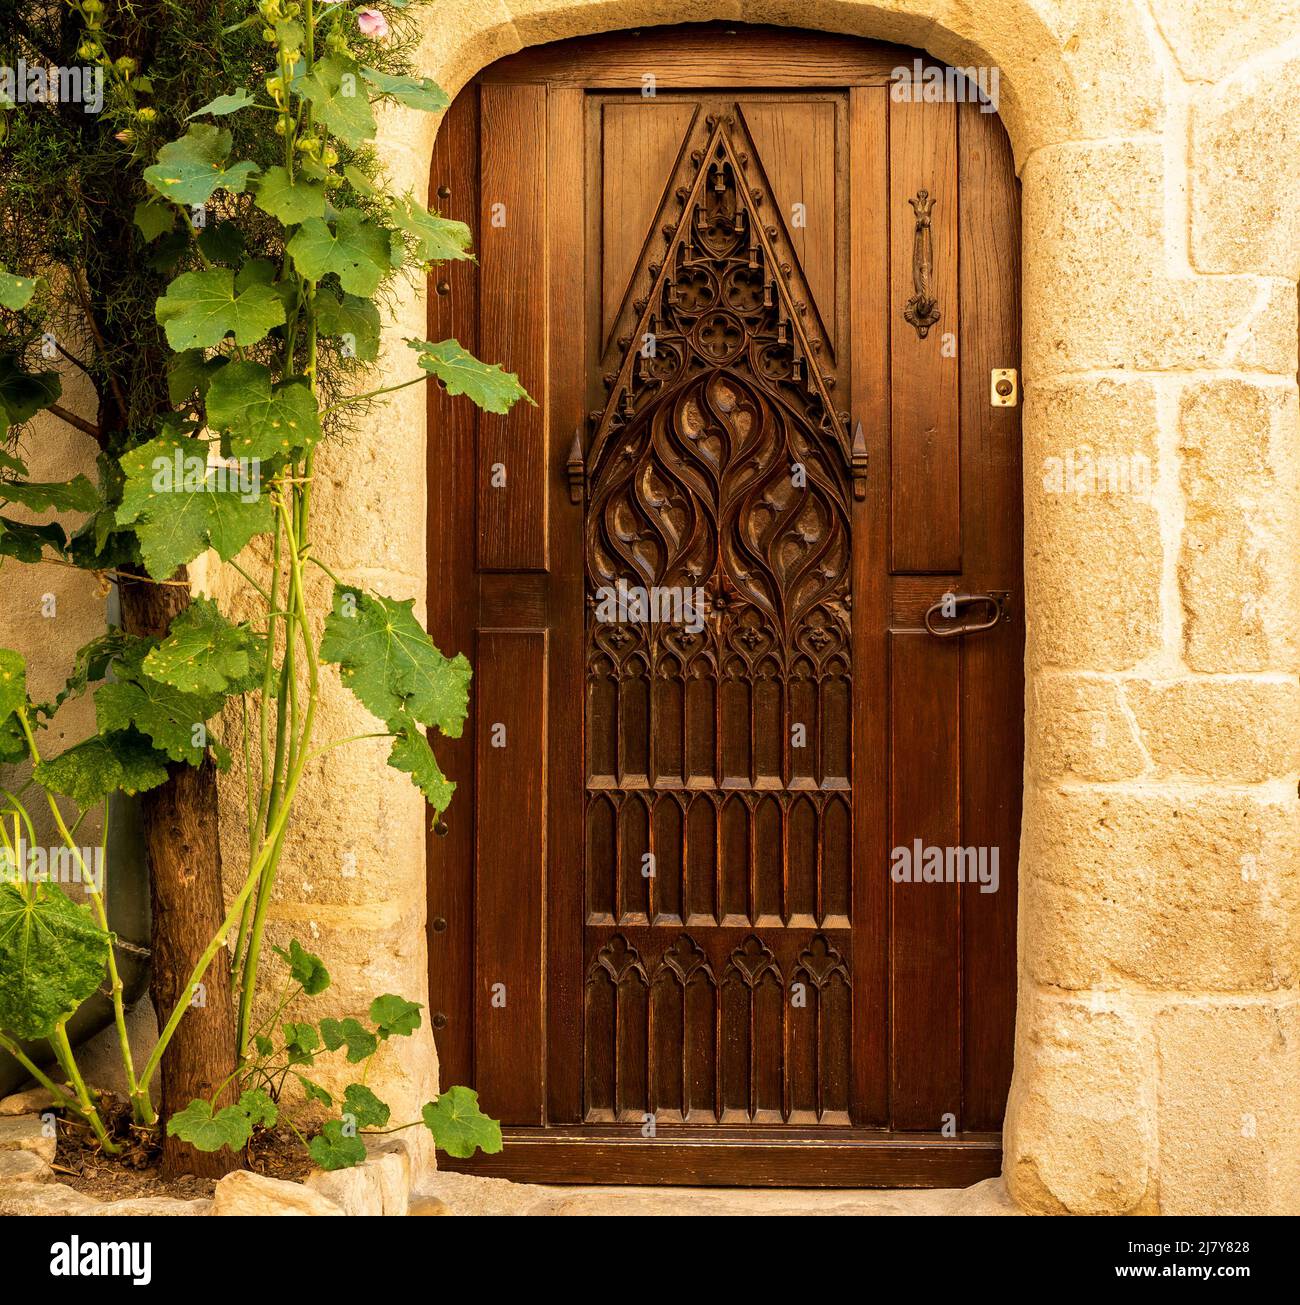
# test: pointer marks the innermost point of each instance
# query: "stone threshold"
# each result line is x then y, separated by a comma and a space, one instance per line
468, 1195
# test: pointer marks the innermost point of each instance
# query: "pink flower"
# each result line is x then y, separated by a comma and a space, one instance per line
372, 23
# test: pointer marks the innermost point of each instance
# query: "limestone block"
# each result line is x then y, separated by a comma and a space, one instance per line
1239, 569
1245, 198
355, 1191
27, 1133
390, 1161
32, 1101
45, 1198
152, 1206
1080, 1135
23, 1167
1092, 524
1214, 729
1229, 1110
244, 1192
1210, 38
428, 1205
1194, 889
1078, 728
1098, 288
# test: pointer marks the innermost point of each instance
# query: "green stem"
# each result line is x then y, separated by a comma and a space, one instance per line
63, 1053
141, 1107
61, 1095
372, 394
298, 756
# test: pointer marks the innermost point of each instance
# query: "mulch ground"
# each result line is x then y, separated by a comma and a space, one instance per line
134, 1173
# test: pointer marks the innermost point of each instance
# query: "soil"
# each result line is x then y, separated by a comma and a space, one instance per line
82, 1164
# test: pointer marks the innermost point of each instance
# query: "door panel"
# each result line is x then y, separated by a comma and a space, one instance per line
707, 710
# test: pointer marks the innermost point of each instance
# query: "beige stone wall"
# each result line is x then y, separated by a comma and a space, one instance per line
1158, 1040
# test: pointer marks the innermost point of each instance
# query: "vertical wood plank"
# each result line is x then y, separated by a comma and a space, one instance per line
925, 514
565, 744
510, 877
512, 252
869, 369
993, 663
925, 991
451, 597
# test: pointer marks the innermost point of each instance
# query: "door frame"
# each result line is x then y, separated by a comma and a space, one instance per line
483, 617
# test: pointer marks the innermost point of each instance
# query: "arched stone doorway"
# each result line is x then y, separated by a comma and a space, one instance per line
1158, 942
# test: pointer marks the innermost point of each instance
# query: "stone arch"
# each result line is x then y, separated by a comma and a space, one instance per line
1128, 347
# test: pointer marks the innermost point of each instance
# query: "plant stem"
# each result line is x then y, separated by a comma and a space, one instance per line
141, 1106
63, 1053
60, 1094
372, 394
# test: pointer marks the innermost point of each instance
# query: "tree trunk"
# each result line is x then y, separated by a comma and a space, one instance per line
184, 857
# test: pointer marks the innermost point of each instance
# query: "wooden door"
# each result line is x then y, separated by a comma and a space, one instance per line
727, 892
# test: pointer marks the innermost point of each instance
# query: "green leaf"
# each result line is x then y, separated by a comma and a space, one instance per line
16, 291
13, 681
24, 394
188, 371
28, 543
221, 242
359, 181
153, 217
414, 92
301, 1041
290, 201
437, 239
75, 495
259, 1108
201, 308
359, 1040
52, 957
355, 250
459, 1127
264, 420
339, 99
315, 1092
90, 771
353, 320
13, 743
191, 170
332, 1149
489, 385
390, 663
265, 1047
166, 715
205, 653
304, 968
395, 1017
176, 522
169, 251
197, 1125
412, 754
365, 1108
223, 104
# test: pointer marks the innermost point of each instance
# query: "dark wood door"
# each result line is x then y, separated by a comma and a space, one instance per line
727, 894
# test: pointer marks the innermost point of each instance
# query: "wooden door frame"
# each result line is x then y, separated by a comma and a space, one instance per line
459, 614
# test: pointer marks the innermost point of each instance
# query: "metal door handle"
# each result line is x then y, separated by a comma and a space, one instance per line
996, 602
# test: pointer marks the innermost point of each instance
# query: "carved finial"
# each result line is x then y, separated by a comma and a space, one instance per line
858, 461
575, 469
